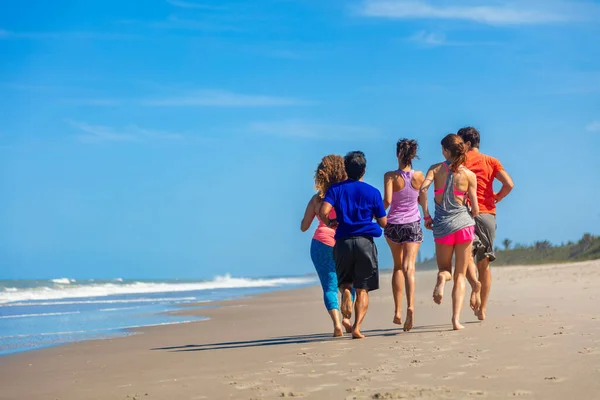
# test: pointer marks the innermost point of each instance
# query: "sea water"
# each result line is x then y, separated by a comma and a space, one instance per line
36, 314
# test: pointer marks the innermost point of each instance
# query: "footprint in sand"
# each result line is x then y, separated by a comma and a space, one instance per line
553, 379
477, 393
522, 393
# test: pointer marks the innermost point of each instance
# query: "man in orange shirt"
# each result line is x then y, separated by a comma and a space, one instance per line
486, 169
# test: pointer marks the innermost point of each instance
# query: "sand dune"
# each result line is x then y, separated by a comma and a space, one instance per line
541, 341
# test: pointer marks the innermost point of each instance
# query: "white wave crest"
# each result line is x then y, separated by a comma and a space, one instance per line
115, 301
63, 281
111, 289
39, 315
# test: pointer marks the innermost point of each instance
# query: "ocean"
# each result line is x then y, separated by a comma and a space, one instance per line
42, 313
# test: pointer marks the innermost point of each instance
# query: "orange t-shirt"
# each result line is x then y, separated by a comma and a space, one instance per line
485, 168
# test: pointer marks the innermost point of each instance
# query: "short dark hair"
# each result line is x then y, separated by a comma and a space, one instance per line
355, 164
470, 134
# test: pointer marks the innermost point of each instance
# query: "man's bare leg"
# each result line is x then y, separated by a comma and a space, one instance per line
485, 277
346, 307
463, 253
444, 262
475, 301
398, 278
408, 269
360, 307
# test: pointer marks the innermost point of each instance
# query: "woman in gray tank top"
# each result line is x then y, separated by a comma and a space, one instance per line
453, 225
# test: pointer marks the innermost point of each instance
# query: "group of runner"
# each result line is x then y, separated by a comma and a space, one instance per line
352, 213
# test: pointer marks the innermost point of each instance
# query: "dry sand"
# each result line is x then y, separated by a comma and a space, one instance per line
541, 341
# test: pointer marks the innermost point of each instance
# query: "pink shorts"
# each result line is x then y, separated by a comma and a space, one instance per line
462, 236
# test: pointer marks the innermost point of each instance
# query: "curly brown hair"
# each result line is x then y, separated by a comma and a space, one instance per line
331, 170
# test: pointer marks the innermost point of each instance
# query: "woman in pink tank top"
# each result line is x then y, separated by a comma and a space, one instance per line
403, 231
331, 170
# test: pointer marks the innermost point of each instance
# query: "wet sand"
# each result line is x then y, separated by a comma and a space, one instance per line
541, 341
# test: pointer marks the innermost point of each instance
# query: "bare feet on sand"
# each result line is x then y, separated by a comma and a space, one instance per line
347, 325
438, 291
356, 334
456, 325
475, 302
346, 307
337, 331
398, 319
480, 314
409, 320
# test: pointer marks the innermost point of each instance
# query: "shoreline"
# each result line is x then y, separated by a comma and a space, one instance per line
192, 309
279, 342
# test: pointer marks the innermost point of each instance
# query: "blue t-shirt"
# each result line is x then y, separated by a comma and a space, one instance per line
355, 204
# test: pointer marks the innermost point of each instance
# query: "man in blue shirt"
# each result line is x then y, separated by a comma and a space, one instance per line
356, 205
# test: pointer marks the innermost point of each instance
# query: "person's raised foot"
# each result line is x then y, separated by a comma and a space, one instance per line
347, 325
456, 325
475, 302
346, 307
356, 334
480, 314
338, 332
438, 291
398, 319
408, 324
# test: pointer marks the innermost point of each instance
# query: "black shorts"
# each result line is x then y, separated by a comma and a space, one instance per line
404, 233
356, 262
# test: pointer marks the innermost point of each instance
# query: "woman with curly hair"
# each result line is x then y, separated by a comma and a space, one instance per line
403, 231
331, 170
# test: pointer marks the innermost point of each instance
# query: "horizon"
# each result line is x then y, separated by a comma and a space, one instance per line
179, 139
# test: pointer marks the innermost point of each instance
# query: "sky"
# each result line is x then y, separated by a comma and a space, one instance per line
178, 138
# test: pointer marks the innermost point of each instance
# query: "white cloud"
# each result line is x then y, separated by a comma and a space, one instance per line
99, 133
428, 38
593, 126
221, 98
132, 133
311, 130
496, 12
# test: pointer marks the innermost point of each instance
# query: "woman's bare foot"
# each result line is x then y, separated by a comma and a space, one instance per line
438, 291
346, 307
475, 302
398, 319
408, 325
347, 325
356, 334
480, 314
337, 331
456, 325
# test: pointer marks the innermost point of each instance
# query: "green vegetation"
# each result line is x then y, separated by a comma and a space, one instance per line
587, 248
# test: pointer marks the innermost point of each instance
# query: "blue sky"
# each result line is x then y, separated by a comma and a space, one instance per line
177, 139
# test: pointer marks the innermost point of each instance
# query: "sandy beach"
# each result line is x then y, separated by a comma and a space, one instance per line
541, 341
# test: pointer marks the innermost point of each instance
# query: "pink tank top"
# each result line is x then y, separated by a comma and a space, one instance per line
325, 234
405, 203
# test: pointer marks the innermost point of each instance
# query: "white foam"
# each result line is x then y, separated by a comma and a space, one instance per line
38, 315
103, 330
116, 301
63, 281
111, 289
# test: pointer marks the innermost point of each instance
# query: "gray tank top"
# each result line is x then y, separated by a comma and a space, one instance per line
450, 216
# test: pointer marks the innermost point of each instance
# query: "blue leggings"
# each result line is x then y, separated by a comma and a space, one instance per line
322, 258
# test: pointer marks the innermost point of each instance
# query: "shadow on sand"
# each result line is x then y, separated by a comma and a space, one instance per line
299, 339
